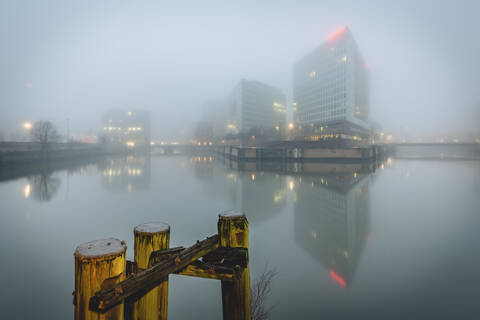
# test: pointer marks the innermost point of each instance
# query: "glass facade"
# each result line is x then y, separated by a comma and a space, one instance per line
331, 84
255, 105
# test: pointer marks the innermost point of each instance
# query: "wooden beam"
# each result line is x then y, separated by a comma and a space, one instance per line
158, 256
228, 257
210, 271
145, 280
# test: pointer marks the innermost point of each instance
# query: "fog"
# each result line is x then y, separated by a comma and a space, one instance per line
75, 59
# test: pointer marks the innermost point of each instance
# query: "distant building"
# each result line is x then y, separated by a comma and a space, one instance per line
331, 91
255, 106
204, 133
131, 128
214, 112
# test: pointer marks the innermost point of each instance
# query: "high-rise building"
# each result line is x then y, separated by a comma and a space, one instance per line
331, 90
127, 127
255, 105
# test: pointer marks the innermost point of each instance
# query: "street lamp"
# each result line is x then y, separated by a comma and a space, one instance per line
27, 125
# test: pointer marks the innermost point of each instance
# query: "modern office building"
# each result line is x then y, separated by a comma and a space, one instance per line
255, 105
131, 128
331, 90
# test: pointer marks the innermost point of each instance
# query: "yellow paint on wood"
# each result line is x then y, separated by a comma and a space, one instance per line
148, 238
98, 264
194, 271
236, 298
233, 232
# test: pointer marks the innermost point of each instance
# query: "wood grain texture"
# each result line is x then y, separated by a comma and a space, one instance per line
95, 271
233, 232
151, 237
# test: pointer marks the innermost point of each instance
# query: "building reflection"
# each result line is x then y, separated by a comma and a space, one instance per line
261, 194
332, 217
128, 173
204, 165
257, 190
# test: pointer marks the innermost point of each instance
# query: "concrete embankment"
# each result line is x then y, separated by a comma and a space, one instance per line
18, 159
16, 153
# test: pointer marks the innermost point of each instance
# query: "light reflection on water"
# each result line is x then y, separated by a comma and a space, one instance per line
346, 239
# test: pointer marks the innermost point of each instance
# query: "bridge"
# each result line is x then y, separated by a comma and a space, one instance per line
435, 151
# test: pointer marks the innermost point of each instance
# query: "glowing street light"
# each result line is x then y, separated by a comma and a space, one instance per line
27, 125
291, 126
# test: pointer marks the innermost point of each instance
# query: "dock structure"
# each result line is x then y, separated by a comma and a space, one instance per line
301, 153
107, 286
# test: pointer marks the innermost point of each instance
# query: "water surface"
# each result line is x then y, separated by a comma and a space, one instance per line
401, 240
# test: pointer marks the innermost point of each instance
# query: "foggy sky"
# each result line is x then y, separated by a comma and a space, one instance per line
75, 59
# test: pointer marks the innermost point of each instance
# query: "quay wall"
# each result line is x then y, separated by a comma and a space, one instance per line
31, 152
300, 154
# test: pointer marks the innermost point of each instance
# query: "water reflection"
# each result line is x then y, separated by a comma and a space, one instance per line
126, 174
204, 165
42, 187
261, 194
331, 204
332, 221
422, 218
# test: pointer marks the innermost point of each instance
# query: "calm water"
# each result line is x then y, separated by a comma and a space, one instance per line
402, 241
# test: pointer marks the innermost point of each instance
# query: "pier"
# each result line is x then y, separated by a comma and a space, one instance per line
299, 153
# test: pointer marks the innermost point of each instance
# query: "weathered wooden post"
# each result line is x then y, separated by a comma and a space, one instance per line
233, 233
151, 237
98, 264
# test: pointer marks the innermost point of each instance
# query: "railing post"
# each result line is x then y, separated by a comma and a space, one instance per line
98, 264
151, 237
233, 233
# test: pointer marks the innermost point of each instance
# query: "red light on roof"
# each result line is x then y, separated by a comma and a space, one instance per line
367, 66
337, 34
338, 279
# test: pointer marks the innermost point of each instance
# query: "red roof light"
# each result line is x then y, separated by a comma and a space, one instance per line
337, 34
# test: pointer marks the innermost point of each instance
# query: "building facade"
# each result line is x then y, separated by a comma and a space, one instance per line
256, 106
331, 90
131, 128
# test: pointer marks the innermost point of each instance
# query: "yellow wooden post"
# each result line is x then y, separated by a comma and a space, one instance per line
151, 237
98, 264
233, 232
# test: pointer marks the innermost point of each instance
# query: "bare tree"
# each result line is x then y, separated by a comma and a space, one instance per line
44, 132
259, 293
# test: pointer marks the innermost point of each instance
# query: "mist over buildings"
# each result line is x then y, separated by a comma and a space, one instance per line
74, 60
